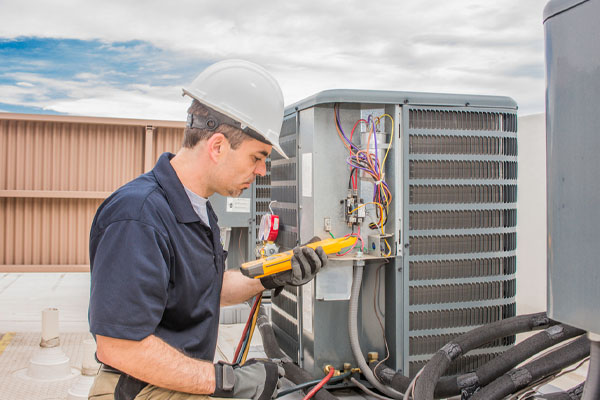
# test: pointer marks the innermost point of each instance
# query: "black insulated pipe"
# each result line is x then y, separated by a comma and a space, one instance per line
438, 364
591, 391
451, 386
293, 372
547, 365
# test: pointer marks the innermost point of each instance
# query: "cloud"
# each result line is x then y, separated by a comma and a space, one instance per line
460, 46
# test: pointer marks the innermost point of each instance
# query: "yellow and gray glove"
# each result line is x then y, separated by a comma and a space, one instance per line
306, 263
256, 379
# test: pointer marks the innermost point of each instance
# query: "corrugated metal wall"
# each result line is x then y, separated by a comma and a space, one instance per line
54, 173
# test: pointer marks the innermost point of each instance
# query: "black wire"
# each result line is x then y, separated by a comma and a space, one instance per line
312, 383
350, 179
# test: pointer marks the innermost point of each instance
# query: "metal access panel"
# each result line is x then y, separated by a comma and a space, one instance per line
452, 172
573, 146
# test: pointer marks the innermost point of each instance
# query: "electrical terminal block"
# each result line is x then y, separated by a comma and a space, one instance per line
354, 207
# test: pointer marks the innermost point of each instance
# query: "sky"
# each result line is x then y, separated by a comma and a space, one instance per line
130, 59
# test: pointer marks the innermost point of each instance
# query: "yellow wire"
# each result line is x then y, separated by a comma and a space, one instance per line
391, 139
251, 331
370, 202
389, 248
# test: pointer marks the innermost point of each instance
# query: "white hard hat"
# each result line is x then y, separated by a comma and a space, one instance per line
245, 92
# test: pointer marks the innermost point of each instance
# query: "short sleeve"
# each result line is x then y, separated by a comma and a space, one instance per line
130, 280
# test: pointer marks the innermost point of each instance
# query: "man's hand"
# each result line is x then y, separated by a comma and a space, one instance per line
256, 379
306, 263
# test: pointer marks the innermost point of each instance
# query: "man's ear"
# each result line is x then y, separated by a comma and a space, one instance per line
217, 146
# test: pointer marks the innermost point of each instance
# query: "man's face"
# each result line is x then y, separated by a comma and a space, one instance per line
239, 167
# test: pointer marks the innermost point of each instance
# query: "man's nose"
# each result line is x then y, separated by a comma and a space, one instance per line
261, 169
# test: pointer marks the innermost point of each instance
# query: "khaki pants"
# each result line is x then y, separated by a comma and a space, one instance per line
104, 389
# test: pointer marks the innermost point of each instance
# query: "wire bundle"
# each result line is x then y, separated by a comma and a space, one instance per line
368, 162
241, 352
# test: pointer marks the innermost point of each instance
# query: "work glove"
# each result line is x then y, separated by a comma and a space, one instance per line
306, 263
256, 379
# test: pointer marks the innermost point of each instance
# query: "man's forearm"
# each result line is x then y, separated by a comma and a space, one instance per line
156, 362
238, 288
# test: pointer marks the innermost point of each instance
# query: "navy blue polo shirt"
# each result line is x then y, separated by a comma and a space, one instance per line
156, 268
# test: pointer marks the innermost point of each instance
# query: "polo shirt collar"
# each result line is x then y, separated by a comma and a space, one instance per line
176, 196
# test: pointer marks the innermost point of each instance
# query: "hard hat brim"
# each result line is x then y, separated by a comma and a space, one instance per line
202, 100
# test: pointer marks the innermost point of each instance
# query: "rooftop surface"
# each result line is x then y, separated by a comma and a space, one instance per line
24, 296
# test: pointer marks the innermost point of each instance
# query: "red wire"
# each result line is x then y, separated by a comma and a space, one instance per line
320, 384
239, 346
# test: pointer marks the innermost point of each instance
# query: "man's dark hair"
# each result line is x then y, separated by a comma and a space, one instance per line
191, 136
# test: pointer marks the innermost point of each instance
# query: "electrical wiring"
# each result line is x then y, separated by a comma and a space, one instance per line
320, 384
375, 301
368, 163
381, 213
304, 385
391, 136
389, 253
251, 332
533, 389
312, 383
244, 343
368, 391
411, 388
357, 235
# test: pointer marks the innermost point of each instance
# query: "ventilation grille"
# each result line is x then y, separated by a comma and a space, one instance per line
468, 219
288, 147
454, 269
287, 239
461, 292
262, 198
285, 194
462, 169
419, 345
461, 365
461, 317
462, 120
462, 194
264, 180
284, 172
457, 244
287, 305
484, 145
288, 127
262, 206
263, 193
287, 216
288, 344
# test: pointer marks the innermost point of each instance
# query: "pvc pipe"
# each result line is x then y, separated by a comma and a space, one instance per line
89, 365
50, 331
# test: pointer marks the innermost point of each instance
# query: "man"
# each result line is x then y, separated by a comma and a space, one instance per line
157, 265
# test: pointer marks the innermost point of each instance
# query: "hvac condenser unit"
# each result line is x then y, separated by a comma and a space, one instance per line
436, 213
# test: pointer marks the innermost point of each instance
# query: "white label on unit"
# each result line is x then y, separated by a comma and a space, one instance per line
307, 174
239, 205
335, 281
307, 306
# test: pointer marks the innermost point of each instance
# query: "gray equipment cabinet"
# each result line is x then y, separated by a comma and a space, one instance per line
573, 146
452, 170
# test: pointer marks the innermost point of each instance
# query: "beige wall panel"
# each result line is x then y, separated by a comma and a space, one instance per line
40, 231
61, 156
54, 173
166, 139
